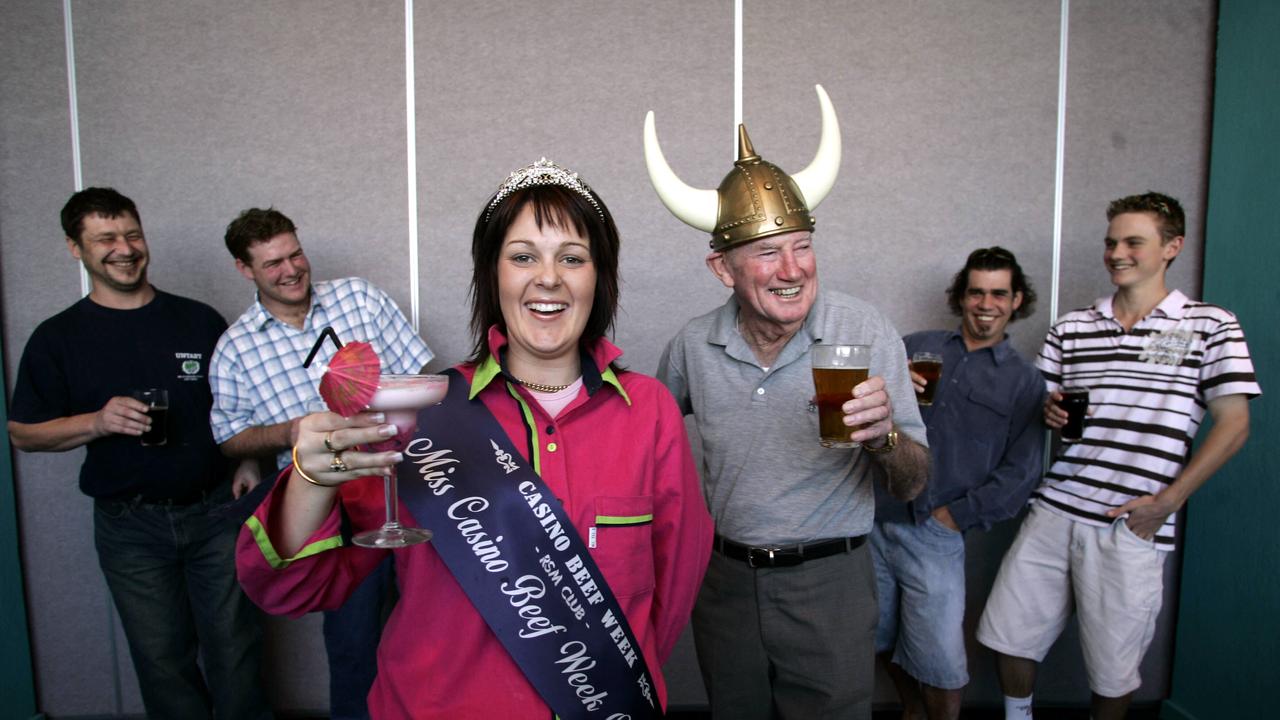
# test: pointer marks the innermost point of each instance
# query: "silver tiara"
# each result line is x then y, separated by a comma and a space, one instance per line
543, 172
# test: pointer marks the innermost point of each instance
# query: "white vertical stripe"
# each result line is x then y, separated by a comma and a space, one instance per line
78, 179
1058, 165
411, 156
737, 77
75, 133
1060, 159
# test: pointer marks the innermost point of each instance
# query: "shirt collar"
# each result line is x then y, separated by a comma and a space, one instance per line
263, 318
1000, 352
1172, 306
602, 354
724, 332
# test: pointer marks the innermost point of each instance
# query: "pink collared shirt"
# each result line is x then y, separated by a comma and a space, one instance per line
618, 452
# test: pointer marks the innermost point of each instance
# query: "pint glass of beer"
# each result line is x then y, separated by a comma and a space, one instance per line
1075, 400
157, 400
836, 370
928, 366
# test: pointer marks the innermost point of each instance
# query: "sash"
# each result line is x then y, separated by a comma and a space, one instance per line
510, 545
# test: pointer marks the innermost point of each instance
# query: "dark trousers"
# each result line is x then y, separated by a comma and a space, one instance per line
792, 642
351, 635
172, 574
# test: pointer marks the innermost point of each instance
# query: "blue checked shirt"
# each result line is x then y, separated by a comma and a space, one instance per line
257, 375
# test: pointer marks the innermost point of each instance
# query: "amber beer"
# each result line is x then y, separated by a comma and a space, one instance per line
928, 366
837, 369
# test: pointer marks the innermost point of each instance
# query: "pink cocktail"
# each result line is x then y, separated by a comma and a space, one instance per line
399, 398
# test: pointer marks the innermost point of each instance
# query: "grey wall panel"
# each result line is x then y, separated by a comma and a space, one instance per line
947, 111
199, 110
571, 81
66, 597
573, 84
1138, 119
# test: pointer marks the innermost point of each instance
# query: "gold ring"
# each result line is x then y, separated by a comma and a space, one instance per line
327, 444
336, 464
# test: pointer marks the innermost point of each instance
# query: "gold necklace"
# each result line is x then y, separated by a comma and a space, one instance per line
542, 388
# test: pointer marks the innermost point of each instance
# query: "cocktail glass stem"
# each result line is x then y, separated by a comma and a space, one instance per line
391, 495
400, 396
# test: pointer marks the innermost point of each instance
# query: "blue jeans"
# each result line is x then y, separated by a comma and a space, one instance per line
171, 571
920, 582
351, 635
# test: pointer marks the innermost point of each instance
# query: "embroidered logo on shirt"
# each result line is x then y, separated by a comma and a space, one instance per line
1167, 348
504, 458
190, 365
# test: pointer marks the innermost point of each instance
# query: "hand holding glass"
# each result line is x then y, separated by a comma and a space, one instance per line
928, 366
400, 397
1075, 401
837, 370
157, 402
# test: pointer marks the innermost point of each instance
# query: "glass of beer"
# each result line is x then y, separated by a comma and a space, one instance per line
157, 401
837, 369
1075, 400
928, 366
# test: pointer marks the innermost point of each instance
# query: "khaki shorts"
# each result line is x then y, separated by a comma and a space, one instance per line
1110, 577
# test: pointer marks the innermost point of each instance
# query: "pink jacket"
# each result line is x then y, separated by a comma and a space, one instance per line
618, 451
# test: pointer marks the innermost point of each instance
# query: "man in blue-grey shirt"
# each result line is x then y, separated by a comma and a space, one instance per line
986, 440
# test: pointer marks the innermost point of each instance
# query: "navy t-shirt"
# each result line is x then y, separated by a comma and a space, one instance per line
80, 358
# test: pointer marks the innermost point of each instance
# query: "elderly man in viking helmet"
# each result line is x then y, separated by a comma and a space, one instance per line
785, 620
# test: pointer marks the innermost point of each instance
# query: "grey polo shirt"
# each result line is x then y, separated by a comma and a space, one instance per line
766, 478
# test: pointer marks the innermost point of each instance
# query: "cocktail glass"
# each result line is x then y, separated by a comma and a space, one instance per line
400, 397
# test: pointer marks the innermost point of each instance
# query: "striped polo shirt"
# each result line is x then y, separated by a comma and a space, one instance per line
1148, 392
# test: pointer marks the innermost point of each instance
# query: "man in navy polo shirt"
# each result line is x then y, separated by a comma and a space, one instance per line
986, 442
164, 544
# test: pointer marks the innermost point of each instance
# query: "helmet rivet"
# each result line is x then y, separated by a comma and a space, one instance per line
778, 220
768, 186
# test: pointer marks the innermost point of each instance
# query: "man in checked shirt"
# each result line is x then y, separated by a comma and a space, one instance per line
261, 390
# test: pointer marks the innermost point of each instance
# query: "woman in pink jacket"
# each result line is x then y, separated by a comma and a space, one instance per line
571, 531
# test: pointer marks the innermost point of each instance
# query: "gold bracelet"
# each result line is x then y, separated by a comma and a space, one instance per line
297, 467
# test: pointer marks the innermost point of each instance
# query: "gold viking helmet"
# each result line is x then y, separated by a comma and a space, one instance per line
756, 199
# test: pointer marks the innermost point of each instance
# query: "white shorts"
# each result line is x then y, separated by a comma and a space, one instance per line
1113, 578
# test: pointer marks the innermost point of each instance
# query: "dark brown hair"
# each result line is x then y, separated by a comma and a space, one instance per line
992, 258
94, 201
255, 225
1170, 218
560, 208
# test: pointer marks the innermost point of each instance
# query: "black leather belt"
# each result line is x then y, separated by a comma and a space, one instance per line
184, 501
789, 556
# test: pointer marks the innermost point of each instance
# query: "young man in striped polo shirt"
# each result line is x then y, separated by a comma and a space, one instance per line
1152, 360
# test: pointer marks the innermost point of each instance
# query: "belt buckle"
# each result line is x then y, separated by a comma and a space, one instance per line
772, 557
765, 554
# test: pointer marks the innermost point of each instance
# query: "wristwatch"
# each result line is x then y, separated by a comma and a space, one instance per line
890, 442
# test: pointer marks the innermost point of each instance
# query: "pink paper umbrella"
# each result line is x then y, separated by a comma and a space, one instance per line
352, 379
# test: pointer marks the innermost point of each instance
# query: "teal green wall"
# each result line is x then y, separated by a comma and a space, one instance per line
1228, 645
15, 650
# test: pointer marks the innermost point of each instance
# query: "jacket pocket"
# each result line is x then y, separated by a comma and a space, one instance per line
623, 543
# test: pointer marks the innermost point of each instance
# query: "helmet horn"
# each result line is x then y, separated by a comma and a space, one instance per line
817, 180
693, 206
